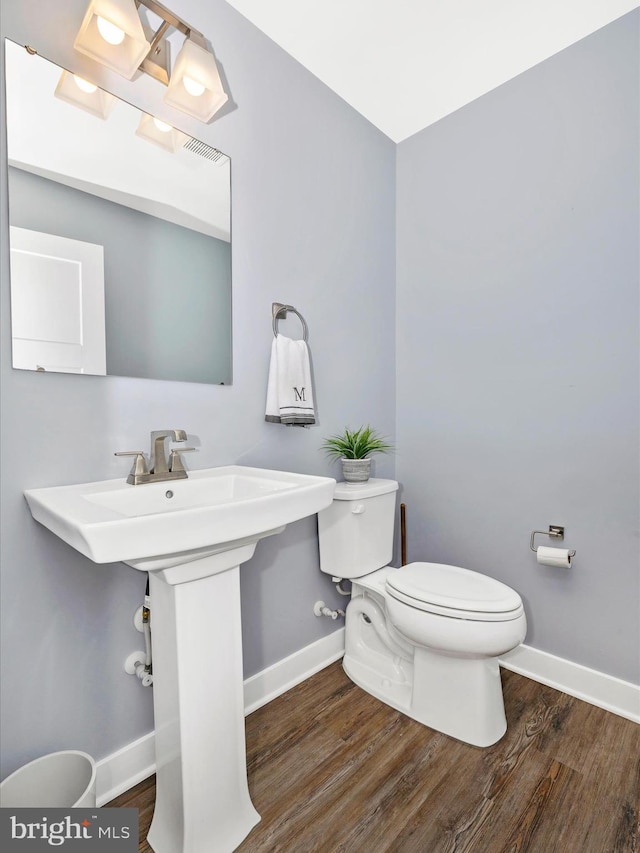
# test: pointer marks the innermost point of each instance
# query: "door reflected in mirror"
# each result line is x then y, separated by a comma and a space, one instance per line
120, 235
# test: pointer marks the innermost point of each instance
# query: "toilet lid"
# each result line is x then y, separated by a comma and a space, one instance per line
431, 586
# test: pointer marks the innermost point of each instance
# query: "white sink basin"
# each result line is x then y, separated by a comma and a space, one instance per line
214, 510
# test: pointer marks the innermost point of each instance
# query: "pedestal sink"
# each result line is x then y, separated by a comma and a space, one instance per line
191, 536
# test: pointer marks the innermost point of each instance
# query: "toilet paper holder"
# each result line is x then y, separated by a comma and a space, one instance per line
555, 530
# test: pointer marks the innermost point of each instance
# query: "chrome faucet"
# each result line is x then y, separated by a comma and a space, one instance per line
159, 468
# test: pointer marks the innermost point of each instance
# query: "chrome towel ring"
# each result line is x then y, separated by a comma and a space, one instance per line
277, 308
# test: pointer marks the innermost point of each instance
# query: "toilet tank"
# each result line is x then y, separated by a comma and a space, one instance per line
356, 530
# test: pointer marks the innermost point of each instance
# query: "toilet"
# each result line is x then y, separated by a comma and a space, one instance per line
424, 638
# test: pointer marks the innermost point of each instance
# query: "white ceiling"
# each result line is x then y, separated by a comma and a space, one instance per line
404, 64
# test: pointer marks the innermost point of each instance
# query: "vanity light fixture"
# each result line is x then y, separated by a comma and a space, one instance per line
161, 133
81, 93
113, 34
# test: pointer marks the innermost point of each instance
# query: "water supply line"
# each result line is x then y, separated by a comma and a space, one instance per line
140, 663
320, 609
146, 628
338, 583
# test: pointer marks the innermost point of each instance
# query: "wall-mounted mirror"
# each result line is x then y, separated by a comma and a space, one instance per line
120, 234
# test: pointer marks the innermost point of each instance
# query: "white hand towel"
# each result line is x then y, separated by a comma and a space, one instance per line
289, 392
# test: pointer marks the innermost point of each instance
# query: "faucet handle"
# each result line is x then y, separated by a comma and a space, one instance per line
139, 463
175, 462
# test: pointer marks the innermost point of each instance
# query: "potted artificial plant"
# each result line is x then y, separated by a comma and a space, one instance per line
354, 448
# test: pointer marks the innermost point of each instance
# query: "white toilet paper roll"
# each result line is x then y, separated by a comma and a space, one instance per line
554, 557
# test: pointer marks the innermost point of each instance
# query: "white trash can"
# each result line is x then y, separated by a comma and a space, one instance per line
65, 779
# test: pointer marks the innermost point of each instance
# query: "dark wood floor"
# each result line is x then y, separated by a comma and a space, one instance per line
332, 769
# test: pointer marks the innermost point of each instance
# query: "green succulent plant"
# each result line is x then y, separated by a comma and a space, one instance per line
355, 444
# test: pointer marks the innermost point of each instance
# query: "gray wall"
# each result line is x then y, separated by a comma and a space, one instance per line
517, 376
517, 330
313, 225
167, 288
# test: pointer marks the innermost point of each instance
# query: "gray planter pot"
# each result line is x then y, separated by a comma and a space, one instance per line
356, 470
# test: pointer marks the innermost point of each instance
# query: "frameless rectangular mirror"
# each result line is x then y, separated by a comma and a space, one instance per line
120, 234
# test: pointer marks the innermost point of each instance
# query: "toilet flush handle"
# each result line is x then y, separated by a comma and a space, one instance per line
358, 509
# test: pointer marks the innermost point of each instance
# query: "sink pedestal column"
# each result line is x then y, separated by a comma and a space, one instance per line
202, 797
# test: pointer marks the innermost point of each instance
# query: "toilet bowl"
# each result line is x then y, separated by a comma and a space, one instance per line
424, 638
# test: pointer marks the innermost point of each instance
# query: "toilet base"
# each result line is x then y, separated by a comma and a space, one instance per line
460, 697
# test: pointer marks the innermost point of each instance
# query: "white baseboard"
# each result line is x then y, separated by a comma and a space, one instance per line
286, 673
123, 769
597, 688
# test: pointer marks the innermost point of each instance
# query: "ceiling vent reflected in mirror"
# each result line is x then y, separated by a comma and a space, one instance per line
206, 151
113, 34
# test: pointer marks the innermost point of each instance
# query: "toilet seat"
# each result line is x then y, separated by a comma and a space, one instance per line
454, 592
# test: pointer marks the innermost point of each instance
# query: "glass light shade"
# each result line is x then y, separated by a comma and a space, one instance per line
125, 57
170, 139
96, 102
199, 67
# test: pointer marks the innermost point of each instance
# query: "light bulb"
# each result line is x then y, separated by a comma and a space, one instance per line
192, 86
84, 85
109, 31
162, 125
